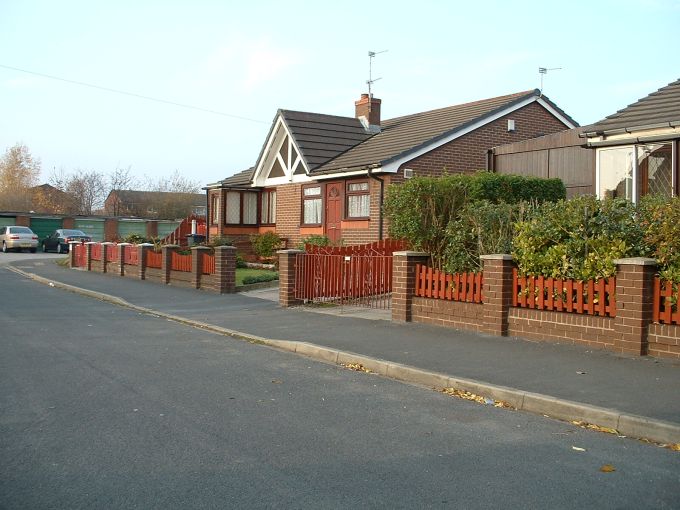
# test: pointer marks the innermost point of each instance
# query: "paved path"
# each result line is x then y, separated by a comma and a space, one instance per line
561, 380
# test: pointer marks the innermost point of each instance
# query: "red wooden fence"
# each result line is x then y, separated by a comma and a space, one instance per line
131, 255
433, 283
154, 259
561, 295
180, 262
384, 247
112, 253
179, 235
208, 263
80, 253
666, 309
96, 251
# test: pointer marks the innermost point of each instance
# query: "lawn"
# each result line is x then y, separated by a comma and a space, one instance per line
241, 273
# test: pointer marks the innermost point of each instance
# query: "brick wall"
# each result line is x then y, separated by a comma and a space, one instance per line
632, 331
469, 152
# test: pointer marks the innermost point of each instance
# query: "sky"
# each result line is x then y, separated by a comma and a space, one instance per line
242, 61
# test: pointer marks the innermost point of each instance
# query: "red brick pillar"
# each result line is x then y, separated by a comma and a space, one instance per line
634, 304
22, 221
88, 255
287, 277
72, 254
225, 269
141, 258
68, 223
166, 263
404, 282
111, 229
497, 269
197, 265
120, 270
151, 229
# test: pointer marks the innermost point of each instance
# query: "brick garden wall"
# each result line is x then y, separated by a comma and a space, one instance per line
450, 314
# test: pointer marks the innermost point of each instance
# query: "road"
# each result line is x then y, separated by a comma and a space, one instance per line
102, 407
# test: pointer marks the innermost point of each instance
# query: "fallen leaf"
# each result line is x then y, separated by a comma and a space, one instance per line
607, 468
674, 447
578, 449
357, 367
276, 381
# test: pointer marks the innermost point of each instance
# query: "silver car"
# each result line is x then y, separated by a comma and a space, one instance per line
18, 238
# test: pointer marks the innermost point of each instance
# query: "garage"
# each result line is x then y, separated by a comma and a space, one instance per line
7, 221
43, 227
131, 227
92, 227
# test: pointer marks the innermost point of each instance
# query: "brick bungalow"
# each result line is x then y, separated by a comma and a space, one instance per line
326, 175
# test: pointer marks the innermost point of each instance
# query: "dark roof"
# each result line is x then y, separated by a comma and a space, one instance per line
658, 108
404, 135
242, 178
323, 137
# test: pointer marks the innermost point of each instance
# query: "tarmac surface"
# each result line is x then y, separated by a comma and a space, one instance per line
638, 396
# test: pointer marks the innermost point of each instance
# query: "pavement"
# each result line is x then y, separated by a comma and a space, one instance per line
636, 396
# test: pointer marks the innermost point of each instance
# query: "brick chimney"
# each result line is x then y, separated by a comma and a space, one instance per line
367, 110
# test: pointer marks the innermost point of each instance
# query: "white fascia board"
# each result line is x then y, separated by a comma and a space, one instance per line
339, 175
393, 166
258, 180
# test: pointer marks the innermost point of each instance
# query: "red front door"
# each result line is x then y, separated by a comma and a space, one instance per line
333, 214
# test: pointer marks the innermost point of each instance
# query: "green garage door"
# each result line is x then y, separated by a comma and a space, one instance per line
42, 227
92, 227
130, 227
7, 221
166, 228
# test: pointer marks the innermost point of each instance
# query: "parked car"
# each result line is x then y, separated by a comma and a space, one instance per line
59, 239
18, 238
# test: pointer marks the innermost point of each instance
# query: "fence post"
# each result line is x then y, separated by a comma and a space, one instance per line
287, 277
121, 258
404, 282
197, 265
141, 258
634, 304
166, 261
106, 246
497, 269
72, 254
225, 269
88, 255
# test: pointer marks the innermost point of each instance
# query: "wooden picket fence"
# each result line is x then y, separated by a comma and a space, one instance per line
112, 253
593, 297
80, 255
96, 251
180, 262
666, 298
384, 247
208, 263
154, 259
436, 284
131, 255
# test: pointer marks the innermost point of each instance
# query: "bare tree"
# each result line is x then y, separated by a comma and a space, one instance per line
87, 189
120, 179
19, 172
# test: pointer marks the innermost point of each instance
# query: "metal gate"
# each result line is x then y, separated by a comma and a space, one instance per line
359, 280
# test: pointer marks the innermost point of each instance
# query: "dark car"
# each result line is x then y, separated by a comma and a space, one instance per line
59, 239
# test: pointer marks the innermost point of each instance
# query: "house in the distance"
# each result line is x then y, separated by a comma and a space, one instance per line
154, 204
326, 175
629, 154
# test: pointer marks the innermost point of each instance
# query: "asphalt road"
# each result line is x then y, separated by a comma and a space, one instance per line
101, 407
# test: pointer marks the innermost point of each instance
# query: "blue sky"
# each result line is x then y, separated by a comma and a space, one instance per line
247, 59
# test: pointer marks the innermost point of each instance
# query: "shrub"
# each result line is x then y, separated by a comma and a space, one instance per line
315, 240
240, 261
220, 241
265, 245
660, 221
134, 239
265, 277
578, 238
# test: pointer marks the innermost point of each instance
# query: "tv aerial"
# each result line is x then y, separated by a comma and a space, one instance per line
371, 80
543, 71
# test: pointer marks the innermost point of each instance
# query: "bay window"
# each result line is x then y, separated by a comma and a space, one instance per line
269, 207
241, 208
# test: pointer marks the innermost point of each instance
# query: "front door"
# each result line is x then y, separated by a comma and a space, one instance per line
333, 211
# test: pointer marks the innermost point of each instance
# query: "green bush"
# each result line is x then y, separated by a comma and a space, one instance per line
314, 240
578, 238
660, 221
430, 212
220, 241
265, 277
240, 262
265, 245
134, 239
